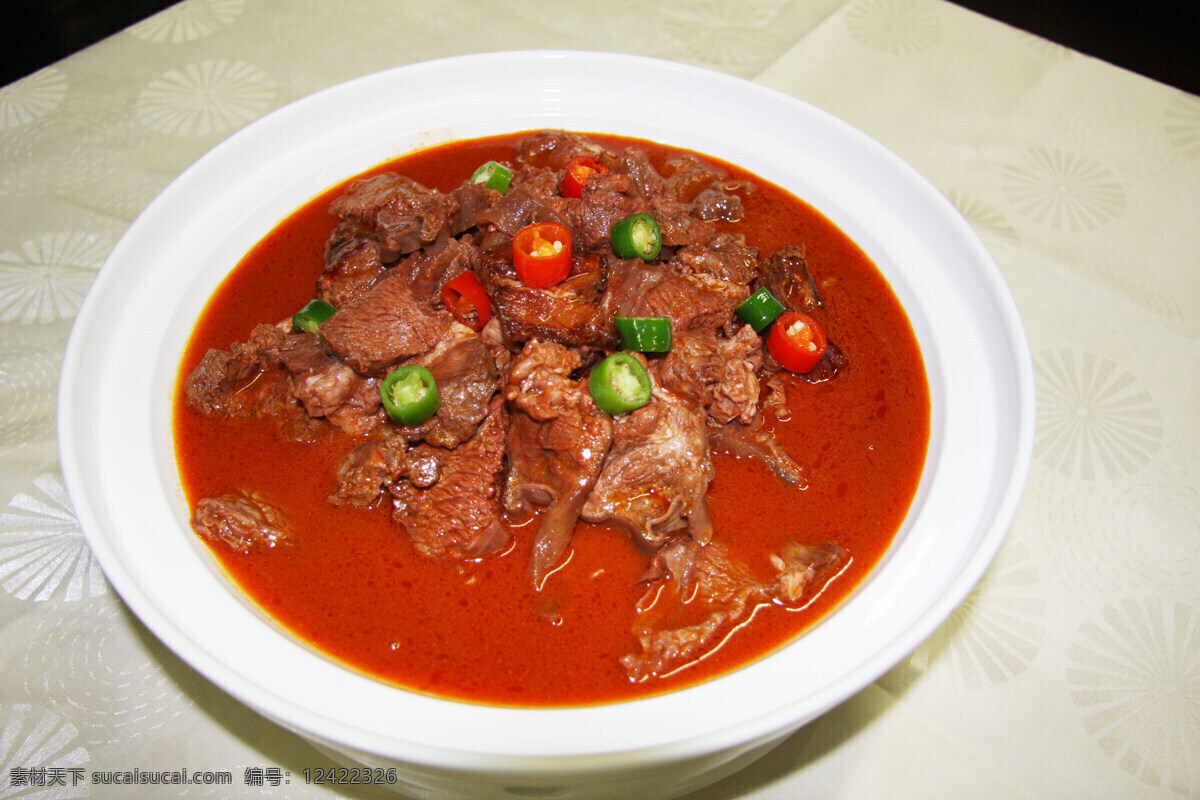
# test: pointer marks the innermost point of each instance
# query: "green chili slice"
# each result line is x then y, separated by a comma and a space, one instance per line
410, 394
760, 309
637, 236
493, 175
309, 318
644, 334
620, 384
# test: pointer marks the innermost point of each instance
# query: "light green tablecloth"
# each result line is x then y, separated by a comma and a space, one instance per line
1073, 670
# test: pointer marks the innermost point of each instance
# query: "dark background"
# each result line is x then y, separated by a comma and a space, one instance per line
1156, 38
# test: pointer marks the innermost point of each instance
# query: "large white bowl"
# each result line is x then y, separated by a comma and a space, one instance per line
119, 463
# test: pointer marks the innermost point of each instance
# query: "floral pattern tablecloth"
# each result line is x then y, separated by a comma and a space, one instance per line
1073, 670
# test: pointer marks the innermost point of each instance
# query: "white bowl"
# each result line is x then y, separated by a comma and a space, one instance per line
121, 362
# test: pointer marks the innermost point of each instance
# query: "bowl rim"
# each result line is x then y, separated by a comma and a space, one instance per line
973, 300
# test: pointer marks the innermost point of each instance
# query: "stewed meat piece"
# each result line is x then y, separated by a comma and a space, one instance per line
387, 326
720, 375
249, 380
449, 499
569, 312
365, 474
242, 521
466, 377
721, 592
557, 440
655, 478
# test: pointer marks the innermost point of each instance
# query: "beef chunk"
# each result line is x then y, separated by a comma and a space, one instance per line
215, 386
241, 521
722, 593
687, 177
656, 474
718, 374
569, 312
466, 377
472, 199
362, 411
787, 275
249, 380
320, 380
352, 268
756, 441
533, 197
554, 149
693, 301
427, 272
716, 203
449, 502
386, 327
557, 440
367, 471
644, 180
726, 256
402, 214
605, 202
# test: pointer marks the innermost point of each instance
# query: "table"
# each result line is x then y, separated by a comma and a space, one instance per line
1072, 670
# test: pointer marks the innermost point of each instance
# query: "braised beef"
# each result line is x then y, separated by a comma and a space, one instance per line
787, 275
362, 411
557, 440
249, 380
721, 593
605, 202
458, 513
533, 200
553, 149
216, 385
352, 268
401, 213
694, 301
655, 478
321, 381
386, 327
726, 256
466, 378
517, 433
568, 312
241, 521
720, 375
755, 441
365, 473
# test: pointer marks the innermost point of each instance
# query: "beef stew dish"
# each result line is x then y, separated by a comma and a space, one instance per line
550, 419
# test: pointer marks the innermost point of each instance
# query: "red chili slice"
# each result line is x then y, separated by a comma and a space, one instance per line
542, 254
468, 301
796, 341
579, 169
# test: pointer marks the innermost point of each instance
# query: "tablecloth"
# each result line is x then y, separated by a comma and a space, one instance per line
1072, 670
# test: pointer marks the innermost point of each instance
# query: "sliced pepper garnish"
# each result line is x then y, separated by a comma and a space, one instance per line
797, 342
637, 236
760, 309
644, 334
309, 318
493, 175
410, 394
468, 301
620, 384
542, 254
579, 169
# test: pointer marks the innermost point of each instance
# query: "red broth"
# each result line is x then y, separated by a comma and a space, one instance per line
354, 588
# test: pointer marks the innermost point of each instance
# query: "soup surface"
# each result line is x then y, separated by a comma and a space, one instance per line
524, 546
